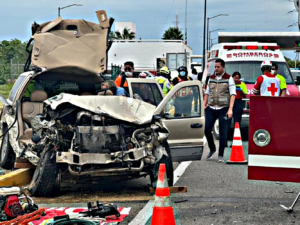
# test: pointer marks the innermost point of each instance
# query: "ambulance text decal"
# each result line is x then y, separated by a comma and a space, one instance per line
252, 54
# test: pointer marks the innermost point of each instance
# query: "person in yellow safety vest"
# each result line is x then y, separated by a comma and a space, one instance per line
163, 81
281, 78
184, 96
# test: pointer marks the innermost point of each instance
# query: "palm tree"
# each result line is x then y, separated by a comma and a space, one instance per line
112, 35
173, 33
125, 35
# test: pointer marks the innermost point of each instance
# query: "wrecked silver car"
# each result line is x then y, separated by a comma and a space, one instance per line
86, 135
57, 120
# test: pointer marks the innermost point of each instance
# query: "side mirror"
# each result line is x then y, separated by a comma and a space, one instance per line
160, 116
3, 100
8, 107
298, 78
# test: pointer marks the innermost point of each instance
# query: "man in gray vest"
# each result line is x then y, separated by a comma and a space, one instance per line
218, 102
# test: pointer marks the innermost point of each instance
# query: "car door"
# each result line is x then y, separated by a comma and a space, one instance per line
183, 107
9, 118
186, 138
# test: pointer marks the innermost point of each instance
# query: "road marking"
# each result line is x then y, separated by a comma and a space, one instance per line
144, 215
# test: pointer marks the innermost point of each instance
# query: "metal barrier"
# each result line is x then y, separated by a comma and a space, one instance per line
115, 71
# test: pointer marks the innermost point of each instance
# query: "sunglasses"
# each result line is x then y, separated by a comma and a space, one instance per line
127, 68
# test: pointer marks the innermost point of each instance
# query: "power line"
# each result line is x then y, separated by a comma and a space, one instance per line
267, 21
166, 19
194, 29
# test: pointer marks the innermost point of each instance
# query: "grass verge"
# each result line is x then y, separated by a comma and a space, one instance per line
4, 91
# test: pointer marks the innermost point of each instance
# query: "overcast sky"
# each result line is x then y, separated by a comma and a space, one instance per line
153, 17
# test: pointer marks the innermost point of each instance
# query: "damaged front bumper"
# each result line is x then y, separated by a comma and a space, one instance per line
142, 155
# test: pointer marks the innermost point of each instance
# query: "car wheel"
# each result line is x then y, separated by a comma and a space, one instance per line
7, 155
216, 132
44, 180
167, 160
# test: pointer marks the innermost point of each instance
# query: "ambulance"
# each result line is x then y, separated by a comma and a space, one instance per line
246, 58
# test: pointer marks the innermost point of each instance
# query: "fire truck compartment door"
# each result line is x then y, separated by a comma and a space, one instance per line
274, 152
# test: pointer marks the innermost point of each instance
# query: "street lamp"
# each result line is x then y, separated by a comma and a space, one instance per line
204, 52
209, 44
59, 8
208, 24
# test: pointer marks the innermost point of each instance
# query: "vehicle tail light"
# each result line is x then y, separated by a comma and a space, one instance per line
217, 53
271, 47
229, 47
251, 47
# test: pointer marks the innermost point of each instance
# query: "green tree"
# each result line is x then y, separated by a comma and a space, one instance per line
11, 51
173, 33
125, 35
112, 35
291, 63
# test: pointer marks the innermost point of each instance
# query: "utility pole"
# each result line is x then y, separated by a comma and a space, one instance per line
185, 21
204, 38
207, 32
297, 9
177, 20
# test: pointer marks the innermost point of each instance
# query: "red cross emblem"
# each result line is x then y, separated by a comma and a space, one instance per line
272, 89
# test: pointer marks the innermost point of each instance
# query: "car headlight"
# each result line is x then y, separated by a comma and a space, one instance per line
261, 138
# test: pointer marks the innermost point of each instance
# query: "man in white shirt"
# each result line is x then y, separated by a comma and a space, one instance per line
218, 102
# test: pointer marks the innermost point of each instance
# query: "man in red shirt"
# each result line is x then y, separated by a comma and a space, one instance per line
267, 84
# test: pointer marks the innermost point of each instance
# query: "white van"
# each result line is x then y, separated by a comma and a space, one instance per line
246, 58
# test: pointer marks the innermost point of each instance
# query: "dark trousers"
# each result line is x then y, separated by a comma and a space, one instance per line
237, 111
211, 115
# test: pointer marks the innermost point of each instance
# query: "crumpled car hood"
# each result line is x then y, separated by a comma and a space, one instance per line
72, 44
118, 107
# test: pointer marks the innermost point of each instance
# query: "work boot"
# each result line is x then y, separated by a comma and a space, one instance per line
210, 154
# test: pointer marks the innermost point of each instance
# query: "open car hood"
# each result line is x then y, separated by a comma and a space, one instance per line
118, 107
72, 44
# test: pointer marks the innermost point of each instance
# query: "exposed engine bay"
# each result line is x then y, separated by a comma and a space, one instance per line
90, 143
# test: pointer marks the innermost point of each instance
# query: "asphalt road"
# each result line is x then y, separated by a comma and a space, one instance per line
218, 193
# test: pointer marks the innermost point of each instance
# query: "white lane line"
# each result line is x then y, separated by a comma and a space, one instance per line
144, 215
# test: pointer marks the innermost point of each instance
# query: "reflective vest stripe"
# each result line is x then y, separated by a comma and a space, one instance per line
183, 91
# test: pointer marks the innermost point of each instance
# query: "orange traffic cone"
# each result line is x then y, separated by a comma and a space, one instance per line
162, 211
237, 151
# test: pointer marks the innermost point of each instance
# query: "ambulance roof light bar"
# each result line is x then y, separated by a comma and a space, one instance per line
251, 47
